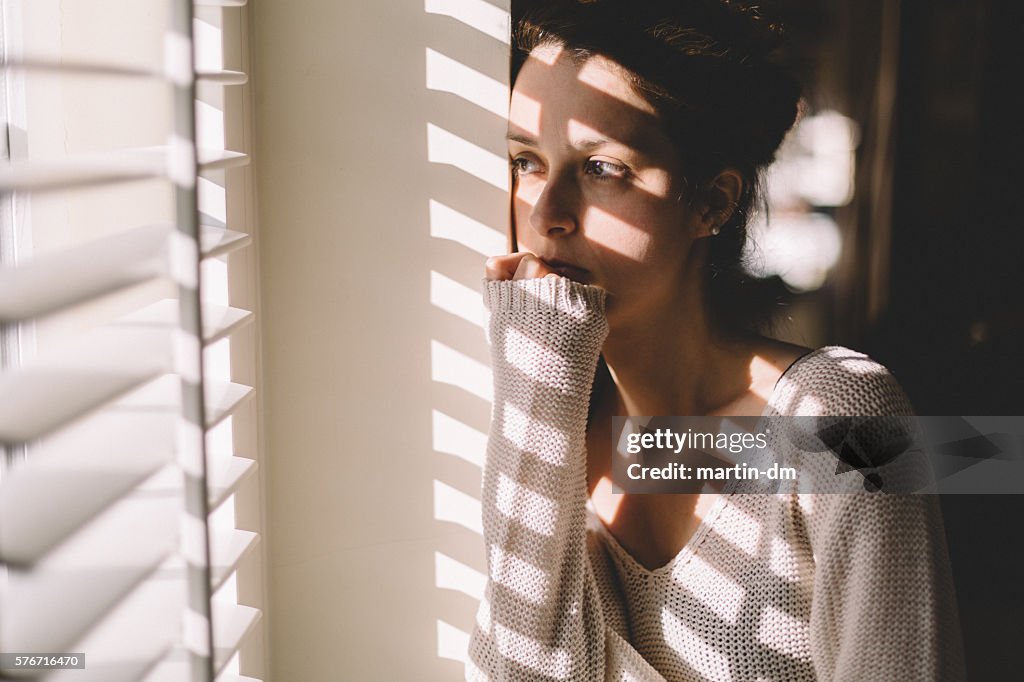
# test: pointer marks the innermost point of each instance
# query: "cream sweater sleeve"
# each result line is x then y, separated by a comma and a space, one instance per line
883, 605
540, 618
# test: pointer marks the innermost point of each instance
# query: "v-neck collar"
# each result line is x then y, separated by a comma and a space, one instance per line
689, 550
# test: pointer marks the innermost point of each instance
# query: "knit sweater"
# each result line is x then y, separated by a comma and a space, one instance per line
771, 586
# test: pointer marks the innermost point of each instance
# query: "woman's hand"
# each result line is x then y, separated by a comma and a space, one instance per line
516, 266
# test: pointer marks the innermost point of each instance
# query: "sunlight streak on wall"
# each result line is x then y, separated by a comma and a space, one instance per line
468, 220
478, 14
453, 437
448, 75
449, 366
448, 148
447, 223
456, 298
451, 574
452, 642
454, 506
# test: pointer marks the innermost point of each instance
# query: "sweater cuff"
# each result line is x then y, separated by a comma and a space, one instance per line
544, 294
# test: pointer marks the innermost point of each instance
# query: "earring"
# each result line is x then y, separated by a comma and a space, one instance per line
715, 230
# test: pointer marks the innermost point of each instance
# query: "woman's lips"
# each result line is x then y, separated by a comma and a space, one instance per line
568, 270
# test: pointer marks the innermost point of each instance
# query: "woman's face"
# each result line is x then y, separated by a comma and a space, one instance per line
598, 193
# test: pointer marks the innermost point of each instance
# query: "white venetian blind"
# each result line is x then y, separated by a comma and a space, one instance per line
114, 320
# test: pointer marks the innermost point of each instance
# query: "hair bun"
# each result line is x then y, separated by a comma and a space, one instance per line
757, 33
740, 30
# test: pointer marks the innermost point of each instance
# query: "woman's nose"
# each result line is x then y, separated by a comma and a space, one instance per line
556, 211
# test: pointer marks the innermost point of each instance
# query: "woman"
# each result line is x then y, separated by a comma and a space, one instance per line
636, 135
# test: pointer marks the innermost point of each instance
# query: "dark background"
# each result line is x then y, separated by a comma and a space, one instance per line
929, 281
945, 224
954, 325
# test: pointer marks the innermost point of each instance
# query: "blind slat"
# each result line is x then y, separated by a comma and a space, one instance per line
126, 165
38, 400
51, 604
227, 550
218, 321
231, 623
56, 281
174, 668
222, 77
97, 514
74, 378
70, 174
216, 77
222, 397
76, 474
137, 634
79, 67
219, 159
224, 478
218, 241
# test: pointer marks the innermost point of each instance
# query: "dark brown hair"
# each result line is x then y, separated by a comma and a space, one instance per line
710, 70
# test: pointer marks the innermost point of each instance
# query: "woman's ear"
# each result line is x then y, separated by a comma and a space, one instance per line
721, 197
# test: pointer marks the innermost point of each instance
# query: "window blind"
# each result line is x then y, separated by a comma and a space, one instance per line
110, 481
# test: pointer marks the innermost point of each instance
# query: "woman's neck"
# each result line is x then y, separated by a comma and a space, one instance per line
675, 364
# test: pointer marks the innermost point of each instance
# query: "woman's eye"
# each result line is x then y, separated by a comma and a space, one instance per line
523, 165
605, 169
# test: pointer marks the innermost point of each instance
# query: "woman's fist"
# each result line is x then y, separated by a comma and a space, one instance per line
517, 266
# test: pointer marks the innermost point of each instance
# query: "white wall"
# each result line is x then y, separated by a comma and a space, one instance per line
376, 560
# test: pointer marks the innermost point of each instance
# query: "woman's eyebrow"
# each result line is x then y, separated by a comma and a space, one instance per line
642, 147
583, 144
513, 136
589, 143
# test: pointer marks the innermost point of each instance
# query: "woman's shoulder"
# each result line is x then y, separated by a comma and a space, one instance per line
835, 380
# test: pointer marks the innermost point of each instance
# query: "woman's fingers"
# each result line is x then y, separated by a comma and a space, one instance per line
531, 267
516, 266
503, 267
